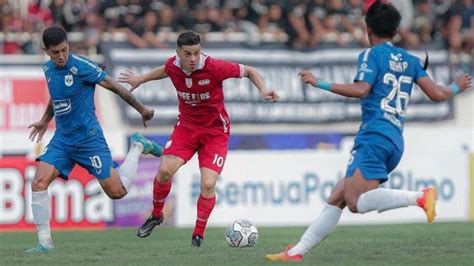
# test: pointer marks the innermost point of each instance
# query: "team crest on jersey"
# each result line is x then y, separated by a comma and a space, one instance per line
68, 80
189, 82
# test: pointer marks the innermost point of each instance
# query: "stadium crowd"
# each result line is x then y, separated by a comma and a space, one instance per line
300, 24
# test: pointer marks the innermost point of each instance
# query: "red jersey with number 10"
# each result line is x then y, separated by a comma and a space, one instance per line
200, 95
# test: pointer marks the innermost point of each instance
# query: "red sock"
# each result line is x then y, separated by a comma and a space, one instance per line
204, 209
160, 192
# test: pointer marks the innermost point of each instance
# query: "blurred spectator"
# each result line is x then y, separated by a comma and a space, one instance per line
459, 33
167, 22
424, 21
143, 33
337, 25
13, 23
407, 38
38, 16
122, 14
273, 21
228, 21
57, 12
355, 16
74, 13
298, 30
460, 19
92, 30
201, 22
317, 13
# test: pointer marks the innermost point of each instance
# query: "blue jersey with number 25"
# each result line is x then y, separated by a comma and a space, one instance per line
391, 71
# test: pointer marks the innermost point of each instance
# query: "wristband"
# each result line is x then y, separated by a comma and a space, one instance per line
324, 85
454, 88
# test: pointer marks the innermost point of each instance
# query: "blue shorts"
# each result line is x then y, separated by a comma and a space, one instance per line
92, 154
375, 156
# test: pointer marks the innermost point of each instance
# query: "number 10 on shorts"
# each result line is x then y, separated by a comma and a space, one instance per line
218, 160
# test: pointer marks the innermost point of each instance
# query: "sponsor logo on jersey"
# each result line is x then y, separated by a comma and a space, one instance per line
68, 80
189, 82
365, 68
74, 70
193, 98
61, 107
204, 82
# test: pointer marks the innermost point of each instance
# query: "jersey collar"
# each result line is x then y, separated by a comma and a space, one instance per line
202, 62
69, 58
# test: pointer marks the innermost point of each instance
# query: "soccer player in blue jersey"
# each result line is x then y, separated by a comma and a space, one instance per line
78, 138
384, 80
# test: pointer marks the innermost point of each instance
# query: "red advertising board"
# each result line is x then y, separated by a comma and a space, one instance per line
22, 101
77, 203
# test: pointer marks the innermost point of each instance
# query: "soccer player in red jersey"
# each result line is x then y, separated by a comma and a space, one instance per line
203, 123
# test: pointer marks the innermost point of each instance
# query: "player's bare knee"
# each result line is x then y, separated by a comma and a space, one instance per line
339, 202
39, 184
351, 197
351, 202
208, 187
352, 206
164, 175
117, 194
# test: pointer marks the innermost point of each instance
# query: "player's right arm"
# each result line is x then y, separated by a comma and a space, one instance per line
127, 96
39, 128
136, 80
441, 93
358, 89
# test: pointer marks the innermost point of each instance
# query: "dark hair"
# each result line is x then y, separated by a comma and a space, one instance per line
383, 19
188, 37
53, 36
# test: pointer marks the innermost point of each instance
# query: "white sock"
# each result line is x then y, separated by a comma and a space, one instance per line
41, 213
319, 229
382, 199
128, 169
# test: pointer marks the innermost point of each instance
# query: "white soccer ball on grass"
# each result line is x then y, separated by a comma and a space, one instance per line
241, 233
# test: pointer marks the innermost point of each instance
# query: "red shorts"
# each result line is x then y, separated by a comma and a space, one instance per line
210, 145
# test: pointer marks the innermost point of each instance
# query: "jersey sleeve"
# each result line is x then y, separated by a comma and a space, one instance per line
367, 67
90, 72
419, 71
226, 69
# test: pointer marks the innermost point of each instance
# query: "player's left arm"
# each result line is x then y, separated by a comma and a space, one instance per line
358, 89
438, 92
127, 96
257, 79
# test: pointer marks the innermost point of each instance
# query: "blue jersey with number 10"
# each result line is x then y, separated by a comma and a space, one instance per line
391, 71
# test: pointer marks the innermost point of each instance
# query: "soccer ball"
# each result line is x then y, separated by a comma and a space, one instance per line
241, 233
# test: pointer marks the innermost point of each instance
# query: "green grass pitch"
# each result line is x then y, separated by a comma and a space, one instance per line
408, 244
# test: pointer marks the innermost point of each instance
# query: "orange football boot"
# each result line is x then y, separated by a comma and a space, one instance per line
284, 256
428, 202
